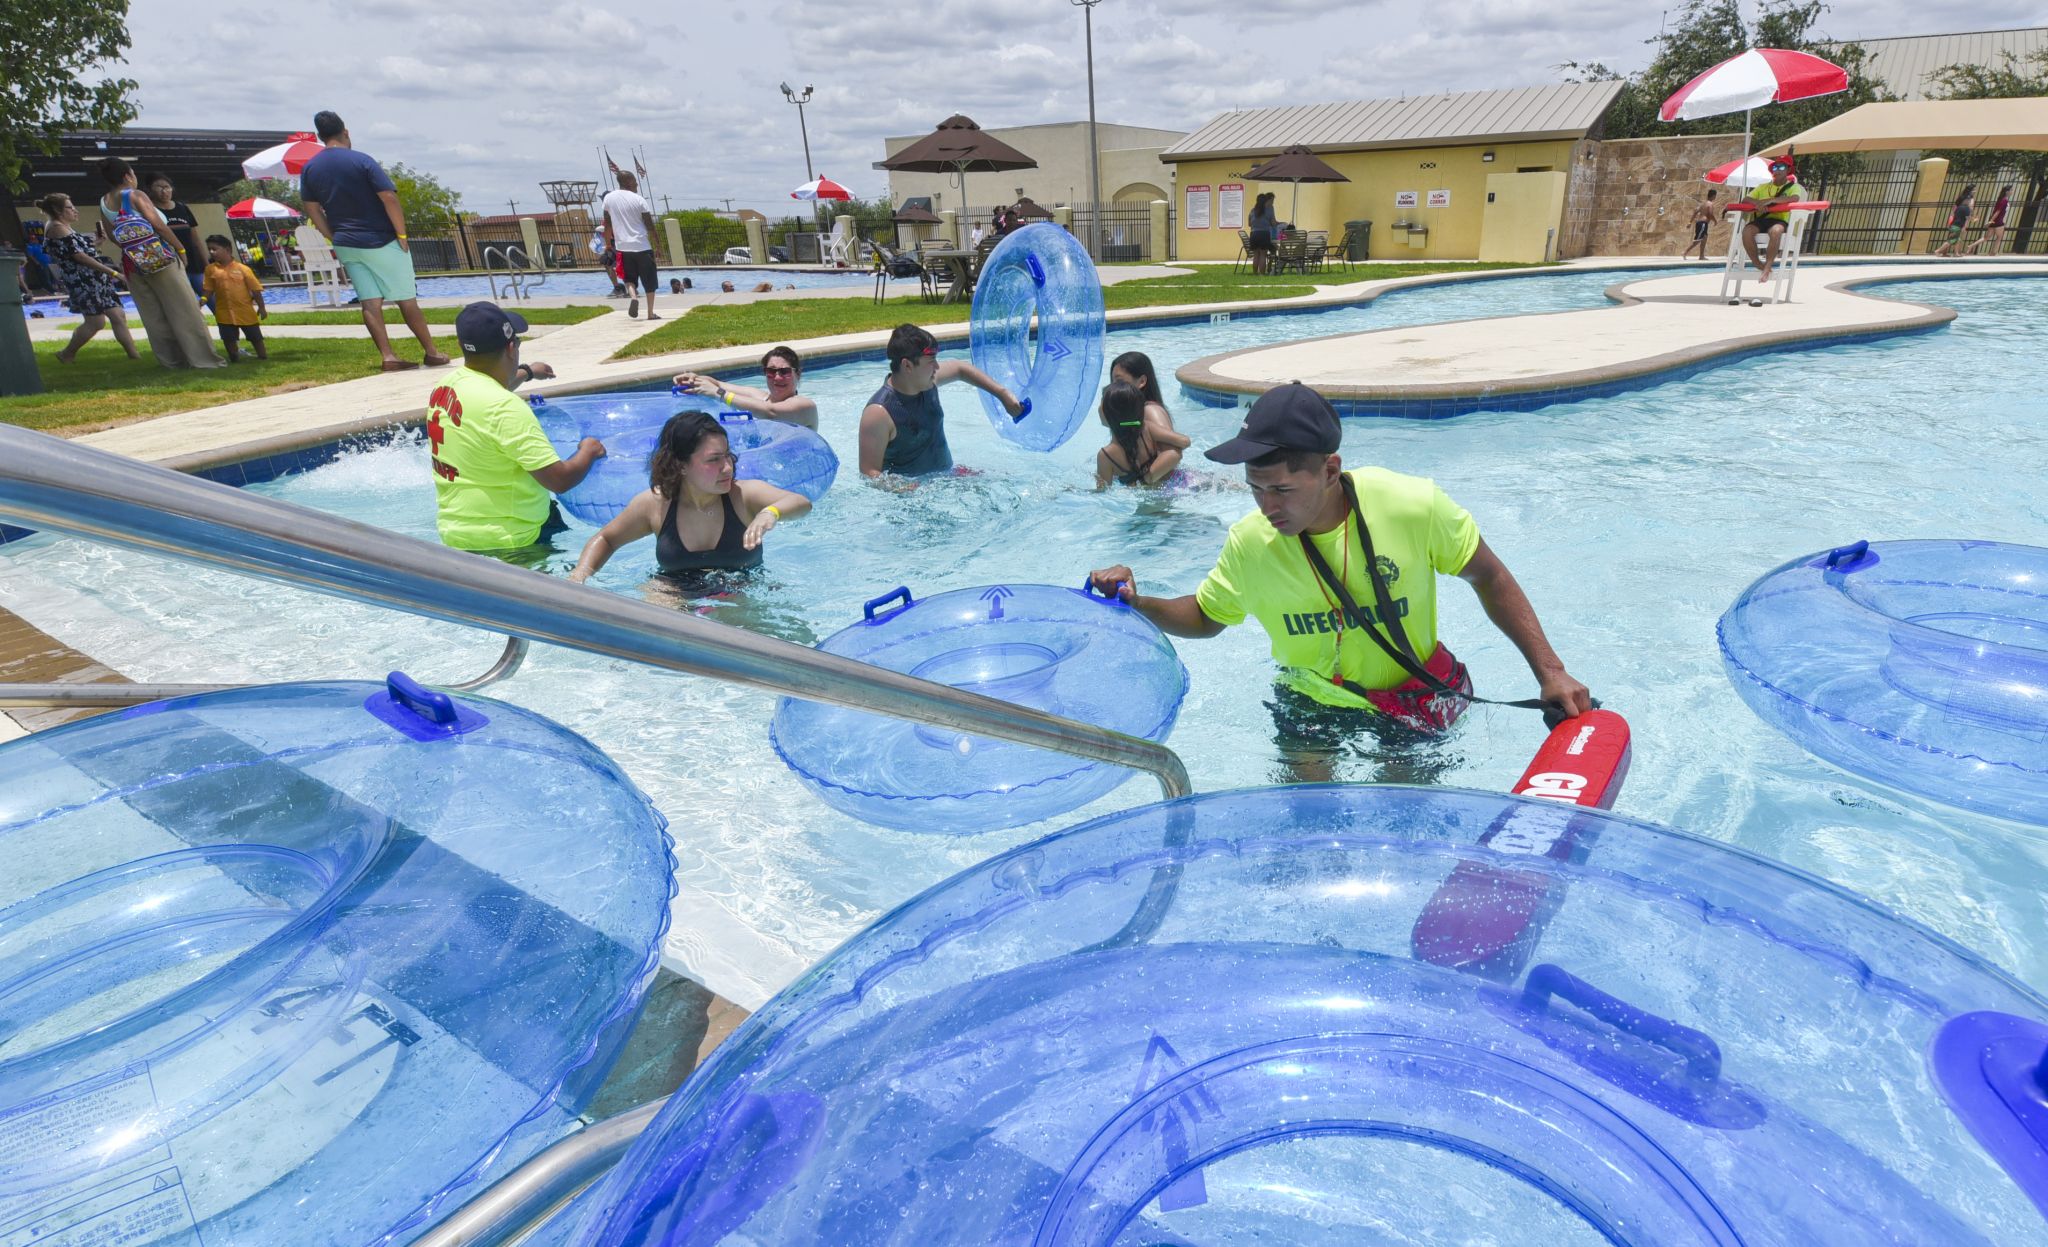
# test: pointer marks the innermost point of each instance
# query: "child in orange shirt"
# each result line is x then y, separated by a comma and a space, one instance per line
236, 298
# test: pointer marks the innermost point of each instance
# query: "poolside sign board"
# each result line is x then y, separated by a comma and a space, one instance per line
1197, 214
1230, 206
1439, 199
1405, 199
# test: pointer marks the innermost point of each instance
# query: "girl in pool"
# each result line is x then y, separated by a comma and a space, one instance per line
702, 520
1132, 456
1135, 368
784, 369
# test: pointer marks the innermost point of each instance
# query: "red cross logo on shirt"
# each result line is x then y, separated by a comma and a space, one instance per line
442, 403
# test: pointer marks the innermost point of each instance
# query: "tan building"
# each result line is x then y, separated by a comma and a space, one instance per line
1131, 168
1471, 175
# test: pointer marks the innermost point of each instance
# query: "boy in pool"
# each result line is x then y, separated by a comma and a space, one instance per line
1340, 569
903, 428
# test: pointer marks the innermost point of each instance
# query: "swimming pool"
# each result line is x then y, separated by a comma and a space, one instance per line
1633, 521
583, 283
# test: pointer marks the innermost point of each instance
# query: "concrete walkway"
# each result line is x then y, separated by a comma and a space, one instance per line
1659, 325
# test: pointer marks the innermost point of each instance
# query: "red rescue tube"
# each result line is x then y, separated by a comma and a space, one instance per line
1487, 919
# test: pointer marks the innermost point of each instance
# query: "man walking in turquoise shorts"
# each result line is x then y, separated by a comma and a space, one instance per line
353, 204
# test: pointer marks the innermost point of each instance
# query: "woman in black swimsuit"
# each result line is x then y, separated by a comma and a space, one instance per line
702, 520
1133, 456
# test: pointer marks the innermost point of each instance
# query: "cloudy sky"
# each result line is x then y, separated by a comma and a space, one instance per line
495, 98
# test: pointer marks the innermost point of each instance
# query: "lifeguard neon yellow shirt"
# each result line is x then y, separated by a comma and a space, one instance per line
486, 445
1771, 190
1417, 531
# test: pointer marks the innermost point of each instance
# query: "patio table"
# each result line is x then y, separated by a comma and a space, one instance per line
957, 261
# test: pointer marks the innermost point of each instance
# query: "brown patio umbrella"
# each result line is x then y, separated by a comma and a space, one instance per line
959, 146
1028, 209
1297, 165
911, 214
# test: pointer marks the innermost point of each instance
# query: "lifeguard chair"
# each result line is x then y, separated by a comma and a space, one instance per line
323, 268
1740, 270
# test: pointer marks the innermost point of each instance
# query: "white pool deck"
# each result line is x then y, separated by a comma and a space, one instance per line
1655, 325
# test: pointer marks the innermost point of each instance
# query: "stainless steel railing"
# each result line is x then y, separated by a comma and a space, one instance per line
50, 484
81, 694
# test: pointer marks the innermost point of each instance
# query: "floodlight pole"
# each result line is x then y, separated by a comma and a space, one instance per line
789, 93
1094, 239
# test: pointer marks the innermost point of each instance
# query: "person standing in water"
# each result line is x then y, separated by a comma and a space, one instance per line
903, 428
1132, 456
703, 520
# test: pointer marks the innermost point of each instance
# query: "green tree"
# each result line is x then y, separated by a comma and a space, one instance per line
706, 234
2013, 78
46, 52
286, 193
1706, 32
430, 207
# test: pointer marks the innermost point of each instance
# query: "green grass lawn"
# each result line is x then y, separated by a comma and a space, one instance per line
782, 320
575, 315
104, 387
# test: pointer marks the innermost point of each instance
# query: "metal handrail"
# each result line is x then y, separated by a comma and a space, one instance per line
536, 1189
47, 483
522, 275
81, 695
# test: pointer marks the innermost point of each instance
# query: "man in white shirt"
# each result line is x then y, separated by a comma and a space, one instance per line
629, 234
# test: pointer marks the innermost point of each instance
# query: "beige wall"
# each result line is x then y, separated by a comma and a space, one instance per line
1519, 219
1130, 156
1453, 233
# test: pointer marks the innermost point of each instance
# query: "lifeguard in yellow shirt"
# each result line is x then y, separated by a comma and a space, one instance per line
1340, 569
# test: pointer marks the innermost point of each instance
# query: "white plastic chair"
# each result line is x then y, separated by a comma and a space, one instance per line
839, 245
1739, 269
323, 269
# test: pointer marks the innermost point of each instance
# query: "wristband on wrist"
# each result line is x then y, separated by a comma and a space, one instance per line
726, 397
773, 510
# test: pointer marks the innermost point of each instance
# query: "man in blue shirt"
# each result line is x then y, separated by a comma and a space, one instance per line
353, 204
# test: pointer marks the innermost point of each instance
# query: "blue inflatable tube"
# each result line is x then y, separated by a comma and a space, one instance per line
309, 963
1066, 651
1920, 665
787, 455
1040, 272
1201, 1022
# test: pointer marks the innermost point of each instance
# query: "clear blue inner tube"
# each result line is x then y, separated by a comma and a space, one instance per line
307, 963
1219, 1021
1921, 665
786, 455
1065, 651
1040, 272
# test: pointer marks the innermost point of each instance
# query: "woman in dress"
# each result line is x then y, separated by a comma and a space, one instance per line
1264, 224
705, 523
154, 262
88, 280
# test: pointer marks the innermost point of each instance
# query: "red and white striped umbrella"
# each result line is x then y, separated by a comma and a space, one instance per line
1753, 79
260, 209
823, 188
284, 160
1746, 174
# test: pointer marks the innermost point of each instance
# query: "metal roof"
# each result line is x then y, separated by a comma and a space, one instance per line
200, 162
1906, 65
1564, 110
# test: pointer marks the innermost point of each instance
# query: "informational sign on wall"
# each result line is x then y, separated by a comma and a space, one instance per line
1406, 199
1197, 213
1439, 199
1230, 206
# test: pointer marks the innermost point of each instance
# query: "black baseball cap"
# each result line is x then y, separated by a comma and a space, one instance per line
484, 328
1286, 417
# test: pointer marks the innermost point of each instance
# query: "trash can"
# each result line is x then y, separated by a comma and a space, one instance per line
1360, 234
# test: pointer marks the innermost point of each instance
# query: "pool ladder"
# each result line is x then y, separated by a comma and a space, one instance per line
48, 483
522, 276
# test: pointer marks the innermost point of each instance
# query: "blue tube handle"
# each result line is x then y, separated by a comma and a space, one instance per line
1850, 553
1088, 590
676, 391
869, 607
429, 704
1023, 410
1037, 269
535, 400
1700, 1051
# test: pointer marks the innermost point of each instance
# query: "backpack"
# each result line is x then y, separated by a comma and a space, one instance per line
139, 241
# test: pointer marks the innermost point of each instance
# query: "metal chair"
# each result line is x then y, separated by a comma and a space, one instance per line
1244, 252
1318, 250
1290, 251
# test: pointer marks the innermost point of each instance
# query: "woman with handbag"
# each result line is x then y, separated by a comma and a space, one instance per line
154, 263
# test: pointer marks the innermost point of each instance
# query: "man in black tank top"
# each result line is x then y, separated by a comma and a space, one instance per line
903, 429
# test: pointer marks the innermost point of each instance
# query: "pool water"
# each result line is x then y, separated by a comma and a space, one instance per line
1632, 522
578, 283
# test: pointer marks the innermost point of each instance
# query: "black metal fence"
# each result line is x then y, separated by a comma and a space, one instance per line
1124, 229
1875, 213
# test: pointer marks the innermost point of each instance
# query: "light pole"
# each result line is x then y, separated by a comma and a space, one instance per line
789, 93
1087, 8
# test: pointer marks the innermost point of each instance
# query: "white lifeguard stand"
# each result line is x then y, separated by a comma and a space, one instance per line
323, 268
1739, 270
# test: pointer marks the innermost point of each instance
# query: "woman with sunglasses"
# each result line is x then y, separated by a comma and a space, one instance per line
705, 523
784, 368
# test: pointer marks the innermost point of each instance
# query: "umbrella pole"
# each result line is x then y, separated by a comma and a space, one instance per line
1294, 213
